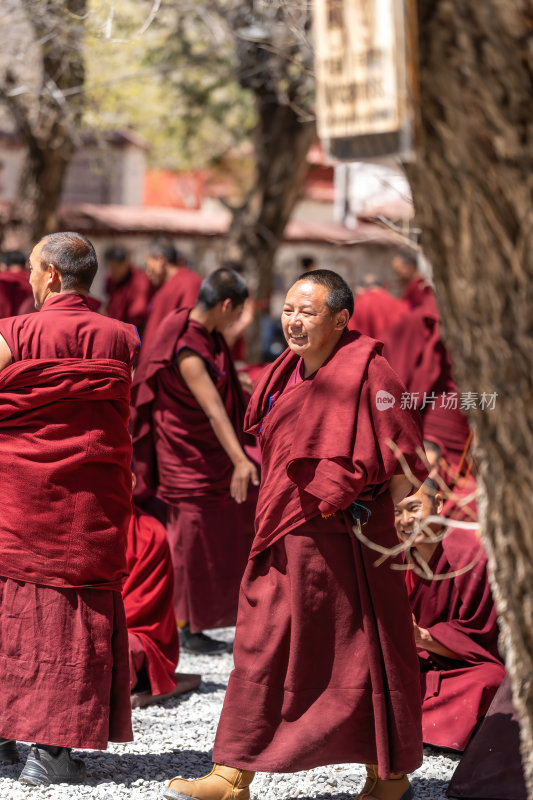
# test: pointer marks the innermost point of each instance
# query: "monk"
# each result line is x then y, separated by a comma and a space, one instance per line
129, 289
417, 290
415, 350
375, 309
15, 289
65, 453
188, 445
325, 661
147, 594
454, 621
176, 285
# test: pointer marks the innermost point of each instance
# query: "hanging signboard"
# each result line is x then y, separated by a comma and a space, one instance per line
365, 76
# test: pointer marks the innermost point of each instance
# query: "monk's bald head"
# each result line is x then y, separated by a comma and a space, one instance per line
339, 296
73, 256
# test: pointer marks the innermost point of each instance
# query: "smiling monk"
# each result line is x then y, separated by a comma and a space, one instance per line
325, 663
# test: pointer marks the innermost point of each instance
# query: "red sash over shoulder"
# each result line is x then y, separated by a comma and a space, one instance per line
313, 467
65, 459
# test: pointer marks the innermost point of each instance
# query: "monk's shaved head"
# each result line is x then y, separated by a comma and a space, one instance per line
73, 256
222, 284
339, 295
430, 487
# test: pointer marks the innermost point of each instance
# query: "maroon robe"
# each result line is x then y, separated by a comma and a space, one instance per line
130, 297
419, 293
491, 768
178, 456
375, 311
414, 349
147, 595
72, 640
15, 289
325, 663
459, 612
179, 291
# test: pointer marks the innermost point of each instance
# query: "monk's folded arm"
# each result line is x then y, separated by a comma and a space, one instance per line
425, 640
196, 376
5, 354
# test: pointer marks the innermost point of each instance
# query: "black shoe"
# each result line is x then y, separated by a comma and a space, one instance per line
42, 768
8, 751
199, 643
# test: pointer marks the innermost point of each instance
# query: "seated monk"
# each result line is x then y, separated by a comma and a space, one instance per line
152, 635
455, 623
457, 484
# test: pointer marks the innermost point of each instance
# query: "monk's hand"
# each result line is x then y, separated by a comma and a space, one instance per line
422, 636
246, 382
244, 472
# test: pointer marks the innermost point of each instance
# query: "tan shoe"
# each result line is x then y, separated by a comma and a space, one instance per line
397, 787
222, 783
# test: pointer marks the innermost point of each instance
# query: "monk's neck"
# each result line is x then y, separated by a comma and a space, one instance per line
63, 292
313, 361
204, 317
426, 549
171, 270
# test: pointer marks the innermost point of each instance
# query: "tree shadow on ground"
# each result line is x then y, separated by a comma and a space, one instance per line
128, 768
326, 796
206, 687
429, 788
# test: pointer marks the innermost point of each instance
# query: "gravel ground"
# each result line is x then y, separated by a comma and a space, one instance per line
176, 738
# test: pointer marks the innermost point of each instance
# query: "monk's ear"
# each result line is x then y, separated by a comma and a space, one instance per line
342, 319
54, 277
438, 502
227, 305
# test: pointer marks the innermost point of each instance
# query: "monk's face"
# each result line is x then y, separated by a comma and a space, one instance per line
227, 315
412, 512
405, 270
309, 327
156, 269
39, 276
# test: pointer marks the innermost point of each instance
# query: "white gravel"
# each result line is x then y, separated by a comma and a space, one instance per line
176, 738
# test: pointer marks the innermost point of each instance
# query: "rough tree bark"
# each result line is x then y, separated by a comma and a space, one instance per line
49, 122
473, 184
281, 147
275, 60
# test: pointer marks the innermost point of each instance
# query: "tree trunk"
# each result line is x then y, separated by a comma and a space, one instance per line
50, 125
40, 190
472, 183
281, 146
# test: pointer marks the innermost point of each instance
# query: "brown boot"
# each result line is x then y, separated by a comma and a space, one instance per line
397, 787
222, 783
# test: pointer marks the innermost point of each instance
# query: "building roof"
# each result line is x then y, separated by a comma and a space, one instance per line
90, 218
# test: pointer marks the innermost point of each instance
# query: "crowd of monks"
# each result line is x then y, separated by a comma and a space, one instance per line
342, 533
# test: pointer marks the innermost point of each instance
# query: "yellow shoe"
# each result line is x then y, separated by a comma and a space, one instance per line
397, 787
222, 783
